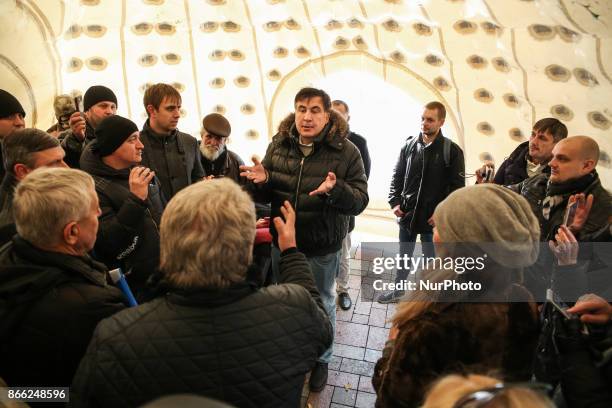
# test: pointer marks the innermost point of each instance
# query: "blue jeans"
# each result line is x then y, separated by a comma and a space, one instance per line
324, 269
407, 241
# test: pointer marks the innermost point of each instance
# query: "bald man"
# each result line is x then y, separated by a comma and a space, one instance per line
572, 171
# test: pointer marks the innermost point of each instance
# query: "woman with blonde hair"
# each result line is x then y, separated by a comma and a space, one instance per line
474, 391
436, 332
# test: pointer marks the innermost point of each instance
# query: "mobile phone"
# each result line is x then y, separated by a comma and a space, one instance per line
570, 212
78, 102
558, 304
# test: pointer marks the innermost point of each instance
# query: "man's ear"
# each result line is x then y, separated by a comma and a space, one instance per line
588, 165
150, 109
71, 233
21, 170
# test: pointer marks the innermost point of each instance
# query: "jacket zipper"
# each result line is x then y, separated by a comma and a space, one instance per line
297, 189
419, 193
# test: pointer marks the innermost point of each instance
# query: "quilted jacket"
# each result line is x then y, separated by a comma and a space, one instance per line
246, 346
321, 221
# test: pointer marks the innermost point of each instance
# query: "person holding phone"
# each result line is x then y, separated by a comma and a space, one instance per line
99, 102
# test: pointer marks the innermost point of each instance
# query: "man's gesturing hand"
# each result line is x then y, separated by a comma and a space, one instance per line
257, 173
139, 180
286, 228
326, 185
77, 125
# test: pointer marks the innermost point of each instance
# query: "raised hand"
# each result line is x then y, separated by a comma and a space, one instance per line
326, 185
582, 210
565, 246
77, 125
256, 173
139, 180
286, 227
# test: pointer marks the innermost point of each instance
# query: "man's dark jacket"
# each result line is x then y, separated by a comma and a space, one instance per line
50, 304
321, 220
362, 145
227, 165
175, 159
437, 181
128, 235
7, 219
246, 346
535, 189
514, 169
74, 147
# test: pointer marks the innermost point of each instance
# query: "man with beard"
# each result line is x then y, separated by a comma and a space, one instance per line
217, 160
429, 168
530, 158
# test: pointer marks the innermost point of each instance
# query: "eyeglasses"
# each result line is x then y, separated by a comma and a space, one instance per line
481, 398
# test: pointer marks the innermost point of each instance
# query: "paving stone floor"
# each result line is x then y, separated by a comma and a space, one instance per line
361, 333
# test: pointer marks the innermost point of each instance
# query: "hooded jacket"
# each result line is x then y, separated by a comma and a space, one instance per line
321, 220
247, 346
128, 234
514, 169
50, 304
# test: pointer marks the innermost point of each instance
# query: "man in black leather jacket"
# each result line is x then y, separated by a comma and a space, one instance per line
428, 169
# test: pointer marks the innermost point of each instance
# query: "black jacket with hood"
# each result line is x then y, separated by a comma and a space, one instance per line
514, 168
321, 220
50, 304
128, 235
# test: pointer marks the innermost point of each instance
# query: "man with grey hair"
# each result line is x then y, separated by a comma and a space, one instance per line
217, 159
52, 294
214, 333
24, 151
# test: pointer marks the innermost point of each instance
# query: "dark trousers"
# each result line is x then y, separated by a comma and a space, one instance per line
407, 241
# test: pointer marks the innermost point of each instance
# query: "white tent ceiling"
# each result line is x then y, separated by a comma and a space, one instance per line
498, 65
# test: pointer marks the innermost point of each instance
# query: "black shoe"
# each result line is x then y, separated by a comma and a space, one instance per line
390, 297
318, 377
344, 301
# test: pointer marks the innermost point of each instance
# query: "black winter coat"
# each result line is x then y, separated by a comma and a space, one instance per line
514, 169
227, 165
7, 219
362, 145
246, 346
73, 147
175, 159
436, 182
321, 221
128, 235
50, 304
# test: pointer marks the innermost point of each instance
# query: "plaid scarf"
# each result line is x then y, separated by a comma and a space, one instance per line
558, 193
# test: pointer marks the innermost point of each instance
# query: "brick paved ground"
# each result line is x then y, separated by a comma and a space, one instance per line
361, 333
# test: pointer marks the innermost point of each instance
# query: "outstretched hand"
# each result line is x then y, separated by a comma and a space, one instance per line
286, 228
582, 210
256, 173
592, 309
326, 185
565, 246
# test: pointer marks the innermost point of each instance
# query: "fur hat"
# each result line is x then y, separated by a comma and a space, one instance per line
496, 219
96, 94
9, 105
216, 125
111, 133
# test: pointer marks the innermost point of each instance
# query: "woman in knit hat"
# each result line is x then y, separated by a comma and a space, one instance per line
483, 320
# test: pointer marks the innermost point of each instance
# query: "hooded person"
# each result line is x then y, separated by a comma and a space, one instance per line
130, 200
485, 320
11, 119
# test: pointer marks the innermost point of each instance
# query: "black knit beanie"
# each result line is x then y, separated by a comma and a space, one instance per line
96, 94
111, 133
9, 105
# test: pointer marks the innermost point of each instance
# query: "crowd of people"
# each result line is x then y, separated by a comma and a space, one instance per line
183, 221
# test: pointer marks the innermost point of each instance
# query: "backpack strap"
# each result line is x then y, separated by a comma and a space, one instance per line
446, 151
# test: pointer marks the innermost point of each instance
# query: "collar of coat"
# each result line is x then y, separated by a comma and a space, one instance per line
333, 134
